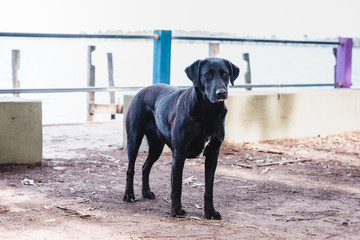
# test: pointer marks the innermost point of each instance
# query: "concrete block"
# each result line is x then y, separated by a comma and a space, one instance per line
20, 131
264, 116
127, 101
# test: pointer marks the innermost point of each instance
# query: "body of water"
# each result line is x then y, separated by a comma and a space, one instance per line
61, 63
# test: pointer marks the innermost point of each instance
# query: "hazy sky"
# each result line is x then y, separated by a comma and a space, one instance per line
258, 18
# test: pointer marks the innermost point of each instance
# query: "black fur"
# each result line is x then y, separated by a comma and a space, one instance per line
188, 121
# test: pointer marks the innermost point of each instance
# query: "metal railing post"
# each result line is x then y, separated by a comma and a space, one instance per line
343, 62
162, 56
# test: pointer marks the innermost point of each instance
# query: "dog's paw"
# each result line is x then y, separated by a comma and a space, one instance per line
178, 213
129, 197
148, 194
214, 215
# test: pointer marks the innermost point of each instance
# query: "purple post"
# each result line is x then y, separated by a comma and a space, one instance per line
343, 62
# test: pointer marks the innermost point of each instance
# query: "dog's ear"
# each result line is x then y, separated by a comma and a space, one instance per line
193, 72
234, 72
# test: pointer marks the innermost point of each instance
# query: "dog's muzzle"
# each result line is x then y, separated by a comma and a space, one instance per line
221, 94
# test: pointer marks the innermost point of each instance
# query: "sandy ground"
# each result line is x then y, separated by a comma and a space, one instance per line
306, 188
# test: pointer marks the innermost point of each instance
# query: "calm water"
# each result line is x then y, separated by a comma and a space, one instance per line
54, 63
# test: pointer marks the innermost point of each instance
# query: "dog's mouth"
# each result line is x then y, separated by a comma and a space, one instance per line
221, 95
218, 99
221, 98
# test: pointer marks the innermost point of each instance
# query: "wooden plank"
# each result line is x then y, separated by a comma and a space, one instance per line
214, 49
247, 74
111, 80
119, 108
90, 82
103, 108
15, 70
106, 108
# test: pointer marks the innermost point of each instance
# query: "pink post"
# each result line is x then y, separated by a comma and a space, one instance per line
343, 62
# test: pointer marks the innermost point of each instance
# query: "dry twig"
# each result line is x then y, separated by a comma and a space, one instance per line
72, 212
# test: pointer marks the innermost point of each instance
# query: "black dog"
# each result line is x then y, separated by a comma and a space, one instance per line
186, 120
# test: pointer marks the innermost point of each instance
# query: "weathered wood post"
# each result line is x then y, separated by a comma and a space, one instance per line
162, 56
90, 83
214, 49
111, 80
15, 70
343, 62
247, 74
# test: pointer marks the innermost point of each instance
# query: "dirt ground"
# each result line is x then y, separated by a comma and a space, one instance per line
307, 188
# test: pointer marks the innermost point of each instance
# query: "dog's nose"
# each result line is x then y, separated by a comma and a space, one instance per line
221, 93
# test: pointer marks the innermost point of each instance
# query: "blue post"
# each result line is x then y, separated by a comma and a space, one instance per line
162, 56
343, 62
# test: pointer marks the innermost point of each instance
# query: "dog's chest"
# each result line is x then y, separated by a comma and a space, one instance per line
196, 147
206, 129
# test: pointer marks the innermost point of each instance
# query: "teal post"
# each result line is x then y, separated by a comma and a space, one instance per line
162, 56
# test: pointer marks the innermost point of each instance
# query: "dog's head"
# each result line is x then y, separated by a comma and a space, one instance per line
211, 77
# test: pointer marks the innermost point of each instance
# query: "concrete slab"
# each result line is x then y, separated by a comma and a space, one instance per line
20, 131
267, 116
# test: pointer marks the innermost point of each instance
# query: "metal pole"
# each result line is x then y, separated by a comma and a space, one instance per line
343, 62
119, 89
225, 39
188, 38
60, 35
162, 57
285, 85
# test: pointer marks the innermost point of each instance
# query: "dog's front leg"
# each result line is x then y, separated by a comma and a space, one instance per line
176, 185
211, 157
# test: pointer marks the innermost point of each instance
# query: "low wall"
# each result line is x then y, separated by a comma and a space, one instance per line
20, 131
254, 116
127, 100
263, 116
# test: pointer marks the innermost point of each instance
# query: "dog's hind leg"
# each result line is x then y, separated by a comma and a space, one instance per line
156, 147
133, 144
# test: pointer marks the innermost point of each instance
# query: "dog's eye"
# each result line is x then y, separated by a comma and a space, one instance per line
208, 75
225, 75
